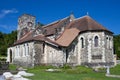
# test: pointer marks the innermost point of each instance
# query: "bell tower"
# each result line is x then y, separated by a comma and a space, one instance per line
26, 23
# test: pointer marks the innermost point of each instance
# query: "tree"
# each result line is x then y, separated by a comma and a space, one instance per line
117, 45
6, 40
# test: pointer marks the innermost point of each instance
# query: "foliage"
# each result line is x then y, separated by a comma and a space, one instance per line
66, 66
2, 58
6, 40
78, 70
117, 45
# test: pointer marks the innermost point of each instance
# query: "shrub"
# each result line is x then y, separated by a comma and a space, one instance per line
45, 67
78, 70
66, 66
2, 59
83, 69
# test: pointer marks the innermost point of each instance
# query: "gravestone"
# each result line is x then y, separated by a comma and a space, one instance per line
108, 70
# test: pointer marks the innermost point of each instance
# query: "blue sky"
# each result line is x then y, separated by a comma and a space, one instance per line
105, 12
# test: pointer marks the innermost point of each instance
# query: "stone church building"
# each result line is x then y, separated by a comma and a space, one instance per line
74, 41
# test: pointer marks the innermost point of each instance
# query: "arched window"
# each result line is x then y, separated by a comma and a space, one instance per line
10, 55
82, 43
27, 49
96, 41
107, 42
110, 43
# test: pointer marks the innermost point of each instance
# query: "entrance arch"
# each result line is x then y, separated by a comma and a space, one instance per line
10, 56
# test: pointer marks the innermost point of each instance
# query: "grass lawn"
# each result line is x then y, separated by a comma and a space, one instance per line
77, 73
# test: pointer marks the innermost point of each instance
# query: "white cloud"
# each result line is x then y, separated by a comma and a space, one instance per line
4, 12
7, 27
4, 26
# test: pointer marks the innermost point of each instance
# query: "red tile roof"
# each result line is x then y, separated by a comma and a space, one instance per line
29, 37
51, 28
72, 30
25, 38
67, 37
82, 24
87, 23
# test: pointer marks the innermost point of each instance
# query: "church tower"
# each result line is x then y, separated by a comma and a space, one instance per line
26, 23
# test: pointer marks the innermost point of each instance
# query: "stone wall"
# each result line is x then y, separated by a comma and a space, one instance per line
97, 53
109, 48
25, 24
54, 55
20, 57
39, 53
79, 52
92, 54
72, 53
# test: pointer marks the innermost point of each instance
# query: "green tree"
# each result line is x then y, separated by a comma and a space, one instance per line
6, 40
117, 45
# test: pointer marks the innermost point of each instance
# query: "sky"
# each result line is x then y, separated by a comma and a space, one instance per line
105, 12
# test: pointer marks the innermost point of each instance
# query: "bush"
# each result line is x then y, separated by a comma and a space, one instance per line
2, 59
66, 66
78, 70
83, 68
45, 67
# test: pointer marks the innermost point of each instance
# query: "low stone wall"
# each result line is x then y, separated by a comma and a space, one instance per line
4, 65
118, 61
100, 64
22, 63
58, 64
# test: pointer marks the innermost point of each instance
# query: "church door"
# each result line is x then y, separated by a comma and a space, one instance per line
10, 55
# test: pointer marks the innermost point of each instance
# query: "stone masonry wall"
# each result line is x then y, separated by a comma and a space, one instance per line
72, 53
109, 48
92, 54
39, 55
26, 60
54, 55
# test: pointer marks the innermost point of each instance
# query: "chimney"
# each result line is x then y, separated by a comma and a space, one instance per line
72, 17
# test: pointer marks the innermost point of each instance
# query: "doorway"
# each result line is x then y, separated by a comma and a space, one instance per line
10, 56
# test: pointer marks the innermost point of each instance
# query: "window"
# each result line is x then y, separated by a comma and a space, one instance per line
82, 43
96, 41
96, 57
110, 43
27, 49
107, 42
24, 50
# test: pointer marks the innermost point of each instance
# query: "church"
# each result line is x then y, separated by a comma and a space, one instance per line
73, 41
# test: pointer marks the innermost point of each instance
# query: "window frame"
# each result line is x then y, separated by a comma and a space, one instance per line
96, 41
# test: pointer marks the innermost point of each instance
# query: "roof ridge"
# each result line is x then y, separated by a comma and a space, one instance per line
60, 35
82, 17
54, 22
88, 22
26, 35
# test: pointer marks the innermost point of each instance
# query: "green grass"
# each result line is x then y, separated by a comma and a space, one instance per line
12, 67
76, 73
115, 70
